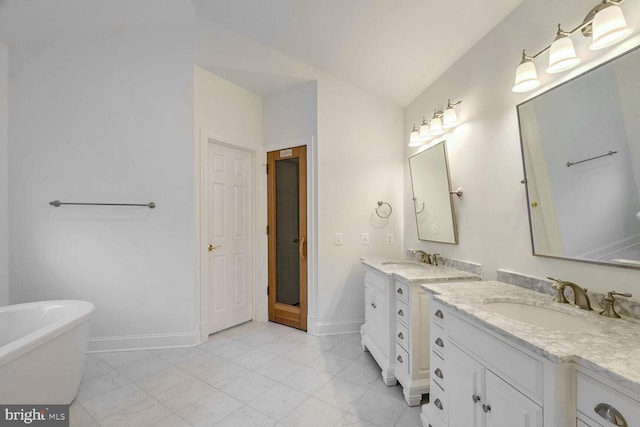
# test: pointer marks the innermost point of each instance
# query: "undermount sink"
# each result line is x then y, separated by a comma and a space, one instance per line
541, 316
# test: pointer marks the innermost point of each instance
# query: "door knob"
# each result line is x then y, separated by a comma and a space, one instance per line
211, 247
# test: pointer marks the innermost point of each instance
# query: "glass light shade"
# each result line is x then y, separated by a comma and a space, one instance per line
435, 126
424, 131
526, 77
562, 55
414, 137
449, 119
609, 27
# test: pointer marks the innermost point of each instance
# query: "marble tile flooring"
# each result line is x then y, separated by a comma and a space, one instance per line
256, 374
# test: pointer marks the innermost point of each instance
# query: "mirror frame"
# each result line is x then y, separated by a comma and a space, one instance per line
454, 224
526, 178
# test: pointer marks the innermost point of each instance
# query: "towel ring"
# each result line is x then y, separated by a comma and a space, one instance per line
458, 192
380, 203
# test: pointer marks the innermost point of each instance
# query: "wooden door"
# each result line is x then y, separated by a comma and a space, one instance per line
228, 199
287, 227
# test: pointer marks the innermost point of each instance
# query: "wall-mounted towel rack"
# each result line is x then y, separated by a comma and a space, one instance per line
610, 153
380, 203
58, 203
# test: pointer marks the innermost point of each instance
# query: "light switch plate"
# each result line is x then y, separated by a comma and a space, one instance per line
338, 239
364, 238
389, 239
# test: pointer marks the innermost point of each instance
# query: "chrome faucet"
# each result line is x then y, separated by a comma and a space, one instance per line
580, 297
424, 257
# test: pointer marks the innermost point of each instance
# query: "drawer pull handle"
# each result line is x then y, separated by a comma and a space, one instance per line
373, 305
486, 408
475, 398
399, 359
439, 314
400, 313
438, 373
400, 335
399, 291
610, 414
438, 404
439, 343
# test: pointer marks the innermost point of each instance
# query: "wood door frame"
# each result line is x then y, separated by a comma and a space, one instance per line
303, 311
202, 228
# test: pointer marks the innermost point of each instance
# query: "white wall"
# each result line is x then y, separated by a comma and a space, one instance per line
4, 176
359, 162
484, 152
106, 118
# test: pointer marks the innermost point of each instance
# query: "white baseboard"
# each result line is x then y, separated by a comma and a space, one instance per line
339, 327
143, 342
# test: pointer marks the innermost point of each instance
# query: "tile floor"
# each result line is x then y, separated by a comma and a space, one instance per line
256, 374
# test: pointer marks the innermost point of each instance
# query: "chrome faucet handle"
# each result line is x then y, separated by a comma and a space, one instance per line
609, 309
559, 286
434, 259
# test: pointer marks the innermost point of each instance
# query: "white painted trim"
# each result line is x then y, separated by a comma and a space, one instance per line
295, 142
339, 327
143, 342
201, 151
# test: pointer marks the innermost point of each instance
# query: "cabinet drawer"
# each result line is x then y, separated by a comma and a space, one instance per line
438, 402
402, 360
402, 312
438, 313
437, 368
517, 368
402, 336
438, 341
592, 393
376, 280
402, 292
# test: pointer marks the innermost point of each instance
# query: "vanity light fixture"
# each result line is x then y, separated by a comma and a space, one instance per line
440, 123
414, 137
606, 25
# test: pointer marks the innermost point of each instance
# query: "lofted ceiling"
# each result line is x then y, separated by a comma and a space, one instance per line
392, 48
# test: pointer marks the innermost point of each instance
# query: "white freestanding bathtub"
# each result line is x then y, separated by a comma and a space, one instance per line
42, 349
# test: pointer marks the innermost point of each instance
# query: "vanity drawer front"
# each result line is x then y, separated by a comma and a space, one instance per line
376, 280
402, 335
592, 393
438, 402
437, 340
402, 312
438, 313
437, 374
402, 360
402, 292
517, 368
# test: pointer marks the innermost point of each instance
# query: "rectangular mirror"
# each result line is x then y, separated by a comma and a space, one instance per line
581, 154
432, 202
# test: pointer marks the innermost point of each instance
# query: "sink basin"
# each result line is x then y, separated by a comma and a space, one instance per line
541, 316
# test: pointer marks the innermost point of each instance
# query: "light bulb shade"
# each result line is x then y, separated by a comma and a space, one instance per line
435, 127
449, 118
424, 130
562, 55
609, 27
526, 77
414, 137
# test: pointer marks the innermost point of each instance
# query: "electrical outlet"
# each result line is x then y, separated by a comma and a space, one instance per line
338, 239
389, 239
364, 238
434, 227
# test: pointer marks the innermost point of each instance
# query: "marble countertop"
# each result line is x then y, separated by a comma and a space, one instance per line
414, 271
612, 350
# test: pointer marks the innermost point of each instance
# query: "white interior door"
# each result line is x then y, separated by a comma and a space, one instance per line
230, 265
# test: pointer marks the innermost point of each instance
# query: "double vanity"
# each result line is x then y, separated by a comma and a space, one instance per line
493, 354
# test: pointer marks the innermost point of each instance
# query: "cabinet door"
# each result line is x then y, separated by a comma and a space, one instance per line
509, 407
379, 330
464, 387
368, 308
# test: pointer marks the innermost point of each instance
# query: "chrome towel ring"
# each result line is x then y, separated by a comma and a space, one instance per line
380, 203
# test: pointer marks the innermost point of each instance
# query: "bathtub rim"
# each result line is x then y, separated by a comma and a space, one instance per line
39, 337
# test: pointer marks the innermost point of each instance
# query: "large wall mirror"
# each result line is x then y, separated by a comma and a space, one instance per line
581, 155
431, 197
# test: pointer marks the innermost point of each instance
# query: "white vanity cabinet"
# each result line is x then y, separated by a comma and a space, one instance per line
379, 325
601, 403
412, 340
